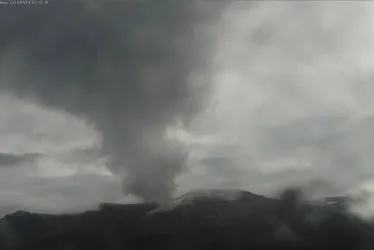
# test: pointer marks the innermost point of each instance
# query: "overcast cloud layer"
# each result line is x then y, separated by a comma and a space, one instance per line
290, 103
292, 98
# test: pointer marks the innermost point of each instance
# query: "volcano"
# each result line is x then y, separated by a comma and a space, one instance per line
206, 220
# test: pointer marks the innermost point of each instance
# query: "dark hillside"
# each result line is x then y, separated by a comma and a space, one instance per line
214, 220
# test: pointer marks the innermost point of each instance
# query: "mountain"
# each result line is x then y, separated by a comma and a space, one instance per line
206, 220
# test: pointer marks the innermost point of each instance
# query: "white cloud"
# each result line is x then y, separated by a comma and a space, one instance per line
292, 89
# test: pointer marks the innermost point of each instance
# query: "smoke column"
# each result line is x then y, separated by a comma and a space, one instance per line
126, 67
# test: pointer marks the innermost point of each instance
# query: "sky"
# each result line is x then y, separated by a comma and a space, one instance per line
289, 102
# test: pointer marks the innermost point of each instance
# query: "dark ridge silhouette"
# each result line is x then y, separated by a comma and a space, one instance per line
209, 220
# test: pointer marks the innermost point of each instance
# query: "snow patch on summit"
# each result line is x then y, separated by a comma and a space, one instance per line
199, 196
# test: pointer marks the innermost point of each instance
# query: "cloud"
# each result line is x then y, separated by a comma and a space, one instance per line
291, 96
44, 181
61, 193
10, 160
123, 67
26, 127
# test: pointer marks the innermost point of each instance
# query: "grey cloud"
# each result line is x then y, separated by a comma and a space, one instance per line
292, 86
26, 127
11, 160
81, 156
124, 66
338, 154
57, 194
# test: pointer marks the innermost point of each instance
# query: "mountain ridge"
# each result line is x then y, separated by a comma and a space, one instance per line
209, 220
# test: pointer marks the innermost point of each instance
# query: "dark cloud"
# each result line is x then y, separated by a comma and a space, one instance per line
81, 156
123, 66
10, 160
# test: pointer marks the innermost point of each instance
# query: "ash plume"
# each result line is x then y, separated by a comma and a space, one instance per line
123, 66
